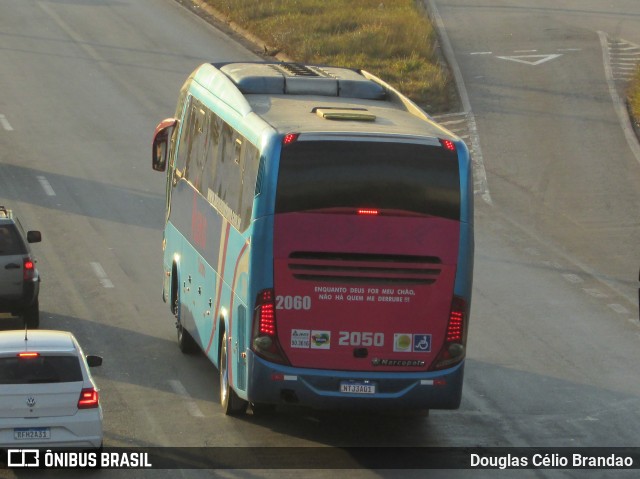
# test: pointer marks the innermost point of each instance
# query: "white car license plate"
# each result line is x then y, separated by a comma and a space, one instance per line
357, 388
32, 433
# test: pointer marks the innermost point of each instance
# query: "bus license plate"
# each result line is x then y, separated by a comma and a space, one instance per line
32, 433
357, 388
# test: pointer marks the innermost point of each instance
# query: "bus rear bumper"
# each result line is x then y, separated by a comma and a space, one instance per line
271, 383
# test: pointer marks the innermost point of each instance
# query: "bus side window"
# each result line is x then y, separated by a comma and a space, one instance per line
213, 155
180, 108
250, 163
197, 156
186, 141
228, 178
234, 191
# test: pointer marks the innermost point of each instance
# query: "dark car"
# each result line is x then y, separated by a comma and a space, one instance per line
19, 277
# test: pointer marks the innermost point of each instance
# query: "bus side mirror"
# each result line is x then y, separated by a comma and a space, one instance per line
160, 149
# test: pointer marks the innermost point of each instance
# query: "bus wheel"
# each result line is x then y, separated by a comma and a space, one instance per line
231, 404
186, 343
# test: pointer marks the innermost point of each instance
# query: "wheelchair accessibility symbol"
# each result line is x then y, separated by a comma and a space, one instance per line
422, 343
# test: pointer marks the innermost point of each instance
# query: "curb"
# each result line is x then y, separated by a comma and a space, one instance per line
267, 50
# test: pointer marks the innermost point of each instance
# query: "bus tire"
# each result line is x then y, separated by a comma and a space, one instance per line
186, 343
232, 405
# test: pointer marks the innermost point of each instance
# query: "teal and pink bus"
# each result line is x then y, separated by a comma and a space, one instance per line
318, 244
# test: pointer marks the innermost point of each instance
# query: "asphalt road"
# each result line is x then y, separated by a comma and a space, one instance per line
554, 337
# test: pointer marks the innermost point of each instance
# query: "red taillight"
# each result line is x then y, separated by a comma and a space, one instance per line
453, 349
448, 144
267, 315
28, 268
290, 138
89, 398
28, 355
264, 341
454, 329
368, 212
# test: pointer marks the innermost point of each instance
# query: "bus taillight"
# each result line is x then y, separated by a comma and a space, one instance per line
453, 349
454, 329
267, 314
264, 341
290, 138
368, 212
448, 144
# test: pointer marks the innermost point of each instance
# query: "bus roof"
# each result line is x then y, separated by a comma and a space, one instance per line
303, 98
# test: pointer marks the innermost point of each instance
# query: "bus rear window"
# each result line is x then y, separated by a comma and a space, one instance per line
408, 177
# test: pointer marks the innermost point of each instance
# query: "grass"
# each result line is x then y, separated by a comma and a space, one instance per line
634, 99
392, 39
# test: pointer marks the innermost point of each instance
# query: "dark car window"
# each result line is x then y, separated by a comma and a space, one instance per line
396, 176
10, 241
43, 369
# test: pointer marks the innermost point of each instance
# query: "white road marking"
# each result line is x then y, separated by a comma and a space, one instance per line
189, 403
5, 123
106, 65
594, 292
525, 58
46, 186
572, 278
618, 103
618, 308
481, 53
524, 51
453, 122
102, 276
481, 186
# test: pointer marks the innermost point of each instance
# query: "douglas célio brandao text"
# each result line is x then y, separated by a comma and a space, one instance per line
551, 461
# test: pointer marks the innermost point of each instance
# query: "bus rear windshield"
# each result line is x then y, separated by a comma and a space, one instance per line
405, 177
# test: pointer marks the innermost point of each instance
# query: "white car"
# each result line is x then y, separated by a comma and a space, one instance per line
47, 395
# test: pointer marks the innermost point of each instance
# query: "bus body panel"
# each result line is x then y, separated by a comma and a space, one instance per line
210, 256
273, 383
353, 291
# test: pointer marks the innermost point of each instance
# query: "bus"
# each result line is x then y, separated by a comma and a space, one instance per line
318, 242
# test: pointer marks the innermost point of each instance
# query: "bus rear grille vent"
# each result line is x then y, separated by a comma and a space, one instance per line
364, 268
